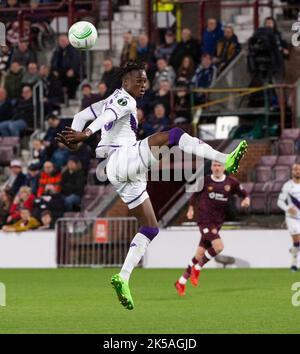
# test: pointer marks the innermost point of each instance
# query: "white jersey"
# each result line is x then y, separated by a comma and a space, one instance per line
290, 197
122, 131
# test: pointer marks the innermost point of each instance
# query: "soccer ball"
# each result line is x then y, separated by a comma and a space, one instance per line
82, 35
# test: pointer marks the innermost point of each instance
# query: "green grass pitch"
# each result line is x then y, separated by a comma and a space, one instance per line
82, 301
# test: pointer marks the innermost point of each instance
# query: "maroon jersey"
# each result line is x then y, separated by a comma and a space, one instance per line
212, 201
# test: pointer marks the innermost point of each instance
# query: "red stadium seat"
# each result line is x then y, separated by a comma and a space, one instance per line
259, 197
282, 173
6, 155
292, 134
263, 173
275, 189
268, 160
286, 160
286, 147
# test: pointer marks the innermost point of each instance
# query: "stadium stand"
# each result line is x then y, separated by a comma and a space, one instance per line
213, 55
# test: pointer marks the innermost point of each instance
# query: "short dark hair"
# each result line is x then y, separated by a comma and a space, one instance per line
132, 66
52, 116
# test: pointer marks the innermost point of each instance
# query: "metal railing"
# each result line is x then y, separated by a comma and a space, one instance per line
94, 242
38, 105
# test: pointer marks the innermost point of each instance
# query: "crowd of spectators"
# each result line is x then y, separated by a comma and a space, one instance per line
173, 68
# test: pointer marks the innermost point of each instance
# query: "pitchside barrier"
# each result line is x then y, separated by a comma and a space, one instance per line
88, 242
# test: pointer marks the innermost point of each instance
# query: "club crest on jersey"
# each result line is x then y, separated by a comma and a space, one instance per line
122, 102
227, 187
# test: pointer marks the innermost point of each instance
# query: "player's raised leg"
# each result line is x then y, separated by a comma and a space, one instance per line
190, 271
139, 244
189, 144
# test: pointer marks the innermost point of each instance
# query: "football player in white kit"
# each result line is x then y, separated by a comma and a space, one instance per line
289, 201
129, 160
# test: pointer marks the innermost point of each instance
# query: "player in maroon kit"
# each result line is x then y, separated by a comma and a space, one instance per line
211, 202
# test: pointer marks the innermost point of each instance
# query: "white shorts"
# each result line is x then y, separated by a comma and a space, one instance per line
127, 171
293, 225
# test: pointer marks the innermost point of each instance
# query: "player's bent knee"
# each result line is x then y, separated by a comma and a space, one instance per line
175, 135
149, 232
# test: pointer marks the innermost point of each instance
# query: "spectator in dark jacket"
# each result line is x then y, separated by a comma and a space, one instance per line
212, 34
109, 74
187, 47
6, 111
145, 50
53, 90
22, 117
227, 48
55, 125
102, 91
282, 46
32, 178
204, 77
31, 76
65, 64
13, 81
166, 49
158, 122
88, 97
23, 54
16, 178
72, 184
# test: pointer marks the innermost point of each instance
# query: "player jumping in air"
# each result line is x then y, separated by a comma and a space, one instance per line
116, 117
289, 201
212, 202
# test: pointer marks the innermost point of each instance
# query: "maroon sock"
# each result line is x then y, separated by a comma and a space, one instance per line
188, 270
208, 255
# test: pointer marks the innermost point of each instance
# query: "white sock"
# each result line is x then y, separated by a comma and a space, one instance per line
198, 147
294, 252
198, 266
182, 280
136, 251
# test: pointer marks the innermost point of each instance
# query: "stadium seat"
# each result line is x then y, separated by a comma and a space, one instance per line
6, 155
282, 173
275, 189
286, 160
286, 147
292, 134
263, 173
268, 160
10, 141
259, 197
248, 186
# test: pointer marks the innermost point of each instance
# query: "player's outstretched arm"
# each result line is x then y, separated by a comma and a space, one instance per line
73, 136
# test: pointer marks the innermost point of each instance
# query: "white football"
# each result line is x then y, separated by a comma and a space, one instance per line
82, 35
